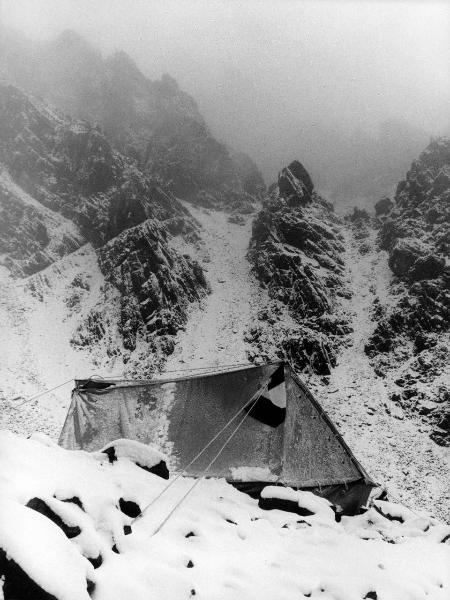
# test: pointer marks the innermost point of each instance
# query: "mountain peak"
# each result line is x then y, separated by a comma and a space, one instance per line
72, 40
121, 61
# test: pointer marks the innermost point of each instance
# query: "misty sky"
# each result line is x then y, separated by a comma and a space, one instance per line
259, 69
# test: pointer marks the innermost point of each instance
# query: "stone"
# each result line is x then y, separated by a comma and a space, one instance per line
383, 206
403, 256
295, 184
427, 267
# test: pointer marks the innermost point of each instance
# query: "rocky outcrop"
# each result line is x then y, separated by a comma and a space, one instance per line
69, 167
31, 236
295, 185
296, 253
62, 184
383, 206
153, 122
156, 284
416, 235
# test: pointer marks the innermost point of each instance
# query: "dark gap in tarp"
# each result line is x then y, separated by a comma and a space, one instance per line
94, 384
277, 378
265, 411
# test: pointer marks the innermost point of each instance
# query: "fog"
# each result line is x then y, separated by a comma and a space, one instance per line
279, 79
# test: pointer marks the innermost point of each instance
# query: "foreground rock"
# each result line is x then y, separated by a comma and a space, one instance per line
411, 339
296, 251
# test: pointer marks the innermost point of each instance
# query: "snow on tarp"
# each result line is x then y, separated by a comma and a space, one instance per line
219, 544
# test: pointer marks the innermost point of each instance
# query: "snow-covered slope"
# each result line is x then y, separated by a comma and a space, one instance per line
214, 335
218, 544
40, 348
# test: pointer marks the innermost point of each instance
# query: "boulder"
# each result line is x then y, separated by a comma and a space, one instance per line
403, 256
427, 267
383, 206
295, 184
142, 455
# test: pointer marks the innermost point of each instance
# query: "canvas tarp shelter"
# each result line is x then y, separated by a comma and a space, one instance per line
285, 439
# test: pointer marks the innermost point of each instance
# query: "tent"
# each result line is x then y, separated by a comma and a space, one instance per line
281, 436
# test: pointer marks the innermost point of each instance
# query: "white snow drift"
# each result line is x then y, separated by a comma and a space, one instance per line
218, 544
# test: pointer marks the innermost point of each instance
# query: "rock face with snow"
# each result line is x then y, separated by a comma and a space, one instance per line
413, 328
154, 122
62, 185
156, 283
296, 252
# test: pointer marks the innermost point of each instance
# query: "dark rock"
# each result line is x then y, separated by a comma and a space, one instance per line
17, 584
443, 416
283, 504
236, 218
129, 508
440, 437
310, 352
427, 267
295, 184
74, 500
110, 453
364, 248
383, 206
160, 470
403, 256
40, 506
96, 562
359, 215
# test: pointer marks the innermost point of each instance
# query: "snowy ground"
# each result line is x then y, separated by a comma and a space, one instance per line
218, 545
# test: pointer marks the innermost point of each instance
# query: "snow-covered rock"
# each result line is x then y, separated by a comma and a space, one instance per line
142, 455
35, 555
217, 544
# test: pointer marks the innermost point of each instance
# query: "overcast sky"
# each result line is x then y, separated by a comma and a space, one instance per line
259, 68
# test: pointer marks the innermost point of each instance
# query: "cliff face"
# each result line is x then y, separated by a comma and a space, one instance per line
295, 251
153, 122
412, 330
62, 185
